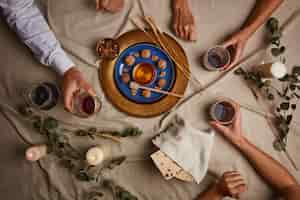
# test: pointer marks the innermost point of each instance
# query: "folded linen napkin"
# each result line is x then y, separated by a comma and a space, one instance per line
190, 148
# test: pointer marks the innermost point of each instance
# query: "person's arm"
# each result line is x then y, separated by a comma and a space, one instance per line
183, 20
24, 17
231, 184
260, 14
270, 170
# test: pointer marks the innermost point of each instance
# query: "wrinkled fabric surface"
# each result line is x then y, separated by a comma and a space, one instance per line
190, 148
78, 26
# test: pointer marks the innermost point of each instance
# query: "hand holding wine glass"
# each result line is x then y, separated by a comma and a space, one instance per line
73, 82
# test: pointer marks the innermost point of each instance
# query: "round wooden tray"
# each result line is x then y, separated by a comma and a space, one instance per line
106, 76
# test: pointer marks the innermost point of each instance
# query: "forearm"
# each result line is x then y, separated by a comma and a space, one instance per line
260, 14
211, 194
24, 17
268, 168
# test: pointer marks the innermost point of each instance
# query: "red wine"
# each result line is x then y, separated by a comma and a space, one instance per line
43, 95
224, 112
88, 105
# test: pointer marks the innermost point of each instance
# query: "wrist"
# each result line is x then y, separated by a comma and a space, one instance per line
179, 4
241, 142
246, 33
71, 69
217, 192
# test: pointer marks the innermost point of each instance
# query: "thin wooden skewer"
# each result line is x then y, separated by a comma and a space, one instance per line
160, 34
185, 73
134, 85
159, 43
158, 37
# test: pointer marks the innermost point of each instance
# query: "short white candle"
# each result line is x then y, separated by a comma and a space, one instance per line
278, 70
35, 153
94, 156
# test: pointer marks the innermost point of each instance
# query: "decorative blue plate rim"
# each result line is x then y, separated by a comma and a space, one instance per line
170, 75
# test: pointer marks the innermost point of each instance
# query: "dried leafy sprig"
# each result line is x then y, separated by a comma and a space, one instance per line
119, 192
59, 144
289, 95
275, 38
93, 131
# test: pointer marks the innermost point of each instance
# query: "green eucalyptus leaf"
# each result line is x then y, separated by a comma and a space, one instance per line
276, 52
66, 163
289, 119
284, 79
275, 42
92, 130
282, 49
278, 146
285, 106
292, 87
37, 123
81, 133
131, 132
116, 162
271, 97
273, 24
50, 124
82, 175
239, 71
296, 70
25, 111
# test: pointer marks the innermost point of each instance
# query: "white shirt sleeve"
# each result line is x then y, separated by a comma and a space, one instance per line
26, 19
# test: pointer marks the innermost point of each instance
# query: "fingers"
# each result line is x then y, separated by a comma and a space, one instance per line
88, 88
237, 54
193, 34
184, 25
186, 32
220, 128
181, 25
68, 96
175, 24
228, 43
236, 184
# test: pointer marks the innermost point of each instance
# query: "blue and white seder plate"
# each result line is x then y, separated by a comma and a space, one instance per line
121, 67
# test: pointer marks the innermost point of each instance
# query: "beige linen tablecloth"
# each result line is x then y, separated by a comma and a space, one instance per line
79, 26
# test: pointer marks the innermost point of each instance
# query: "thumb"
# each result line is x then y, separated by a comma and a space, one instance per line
228, 43
220, 128
88, 88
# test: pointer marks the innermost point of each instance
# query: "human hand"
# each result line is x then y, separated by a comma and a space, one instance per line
236, 44
73, 81
232, 184
183, 20
110, 5
233, 132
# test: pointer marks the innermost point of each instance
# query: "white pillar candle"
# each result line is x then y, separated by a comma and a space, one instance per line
35, 153
273, 70
95, 156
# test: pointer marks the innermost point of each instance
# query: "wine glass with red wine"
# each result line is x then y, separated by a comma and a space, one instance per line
43, 96
85, 104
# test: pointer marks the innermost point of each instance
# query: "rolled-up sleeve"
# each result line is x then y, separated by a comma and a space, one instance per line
25, 18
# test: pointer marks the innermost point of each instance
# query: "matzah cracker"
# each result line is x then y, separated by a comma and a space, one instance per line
184, 176
166, 166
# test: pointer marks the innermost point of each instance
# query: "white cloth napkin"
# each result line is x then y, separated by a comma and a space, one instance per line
190, 148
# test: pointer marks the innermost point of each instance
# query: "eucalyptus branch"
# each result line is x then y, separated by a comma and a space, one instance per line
290, 94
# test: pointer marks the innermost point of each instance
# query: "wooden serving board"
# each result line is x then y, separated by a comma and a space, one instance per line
106, 75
